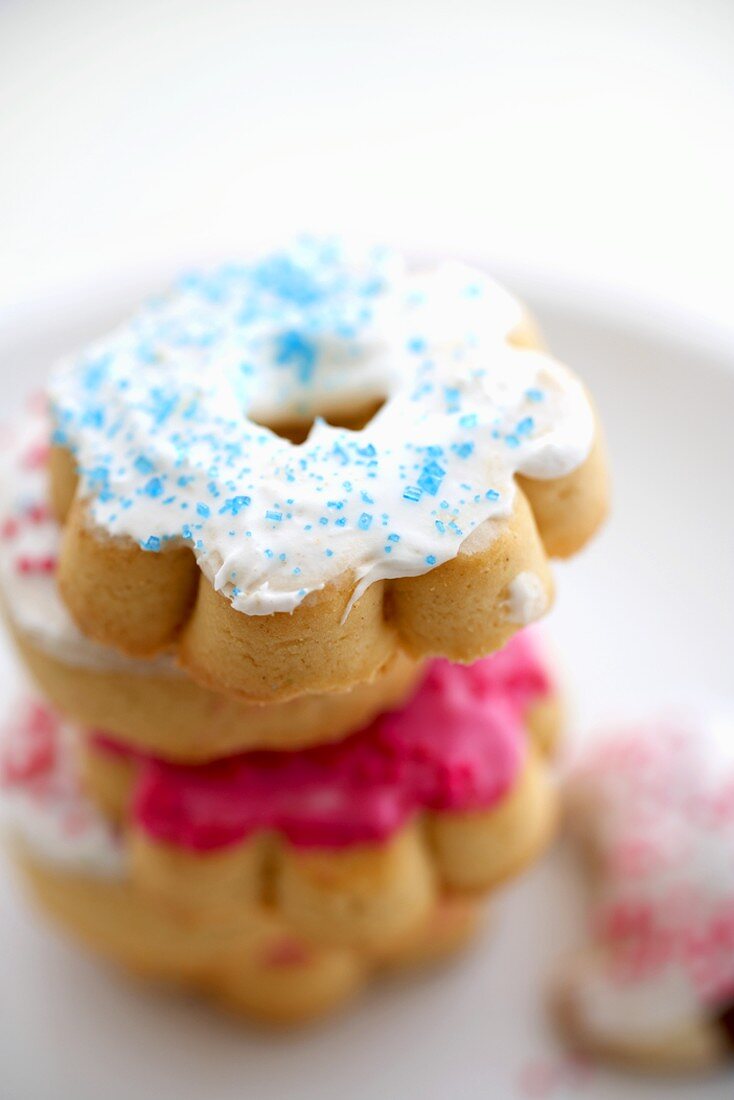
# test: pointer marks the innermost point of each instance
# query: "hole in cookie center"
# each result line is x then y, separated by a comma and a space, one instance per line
296, 429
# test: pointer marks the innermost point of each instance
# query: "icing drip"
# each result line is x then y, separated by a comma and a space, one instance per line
527, 599
161, 415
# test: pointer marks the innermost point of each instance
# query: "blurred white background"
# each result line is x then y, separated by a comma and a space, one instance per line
582, 142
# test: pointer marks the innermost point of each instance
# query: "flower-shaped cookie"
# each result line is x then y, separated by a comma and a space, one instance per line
274, 567
279, 881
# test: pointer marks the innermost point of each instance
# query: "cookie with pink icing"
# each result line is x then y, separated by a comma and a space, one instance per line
653, 810
342, 857
460, 745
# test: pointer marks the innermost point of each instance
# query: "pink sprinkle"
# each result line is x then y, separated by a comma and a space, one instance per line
31, 752
27, 564
9, 529
76, 821
37, 512
36, 457
286, 952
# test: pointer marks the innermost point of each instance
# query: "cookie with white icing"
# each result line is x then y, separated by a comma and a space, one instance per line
275, 568
151, 704
653, 811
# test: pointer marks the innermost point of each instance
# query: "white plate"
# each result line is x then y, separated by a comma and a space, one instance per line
643, 620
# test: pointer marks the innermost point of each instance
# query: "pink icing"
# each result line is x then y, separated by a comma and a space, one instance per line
457, 745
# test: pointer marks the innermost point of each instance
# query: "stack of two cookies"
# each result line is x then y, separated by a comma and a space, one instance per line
254, 769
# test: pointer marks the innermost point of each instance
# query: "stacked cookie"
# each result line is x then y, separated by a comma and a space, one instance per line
255, 769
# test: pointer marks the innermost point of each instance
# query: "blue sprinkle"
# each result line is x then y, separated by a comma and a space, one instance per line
323, 521
93, 418
525, 426
469, 420
98, 475
366, 498
234, 505
294, 349
329, 553
512, 440
453, 398
431, 477
492, 494
440, 526
412, 493
431, 559
534, 395
341, 522
393, 537
463, 450
151, 543
276, 517
365, 521
417, 345
203, 510
94, 374
154, 488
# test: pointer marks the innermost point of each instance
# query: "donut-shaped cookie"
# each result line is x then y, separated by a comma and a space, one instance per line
150, 704
277, 568
653, 811
278, 881
259, 968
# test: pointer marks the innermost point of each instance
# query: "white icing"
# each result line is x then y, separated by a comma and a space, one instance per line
158, 414
30, 535
527, 599
48, 815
